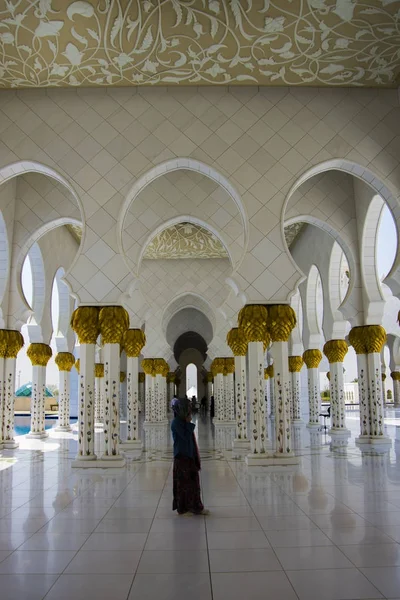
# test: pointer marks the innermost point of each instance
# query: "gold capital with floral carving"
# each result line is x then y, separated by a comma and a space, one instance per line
99, 370
295, 364
266, 374
148, 366
270, 371
252, 321
159, 366
357, 340
237, 341
335, 350
113, 322
217, 366
395, 375
65, 361
210, 377
15, 342
78, 365
122, 376
281, 321
133, 341
375, 338
171, 377
312, 358
3, 342
85, 323
229, 366
142, 377
39, 354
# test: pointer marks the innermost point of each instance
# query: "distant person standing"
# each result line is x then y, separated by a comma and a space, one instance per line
212, 407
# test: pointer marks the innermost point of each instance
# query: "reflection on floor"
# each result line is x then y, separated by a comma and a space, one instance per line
327, 530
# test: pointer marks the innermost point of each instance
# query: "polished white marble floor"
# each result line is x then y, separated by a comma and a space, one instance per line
327, 530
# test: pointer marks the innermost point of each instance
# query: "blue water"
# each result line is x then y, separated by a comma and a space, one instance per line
22, 425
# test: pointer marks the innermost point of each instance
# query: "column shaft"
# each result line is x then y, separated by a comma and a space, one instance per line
376, 404
363, 392
63, 423
229, 398
111, 354
37, 403
296, 415
279, 352
241, 398
86, 404
314, 398
256, 398
2, 393
271, 382
99, 400
338, 407
219, 396
133, 399
8, 414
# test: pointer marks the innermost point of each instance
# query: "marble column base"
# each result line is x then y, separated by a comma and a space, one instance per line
85, 461
297, 421
155, 423
131, 445
271, 460
313, 425
346, 433
228, 423
109, 462
373, 445
240, 445
11, 445
37, 436
63, 428
101, 463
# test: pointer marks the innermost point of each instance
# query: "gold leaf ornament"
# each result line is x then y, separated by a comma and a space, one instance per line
312, 358
295, 364
122, 376
270, 371
99, 370
336, 350
217, 366
113, 322
367, 339
229, 367
78, 365
281, 322
237, 341
3, 342
64, 361
85, 323
252, 321
148, 366
14, 344
395, 375
39, 354
133, 342
266, 374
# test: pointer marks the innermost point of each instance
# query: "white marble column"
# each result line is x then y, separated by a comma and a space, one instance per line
229, 391
271, 383
15, 341
209, 387
99, 394
335, 351
241, 440
3, 350
65, 361
295, 365
312, 359
39, 355
256, 398
150, 376
219, 395
142, 378
395, 375
85, 322
281, 321
133, 341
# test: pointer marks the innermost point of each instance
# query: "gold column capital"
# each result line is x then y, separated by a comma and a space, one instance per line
312, 358
65, 361
217, 366
15, 342
295, 364
142, 377
281, 321
78, 365
148, 366
133, 341
210, 377
252, 321
171, 377
367, 339
160, 367
122, 376
85, 323
39, 354
395, 375
229, 367
113, 322
336, 350
270, 371
99, 370
266, 374
237, 341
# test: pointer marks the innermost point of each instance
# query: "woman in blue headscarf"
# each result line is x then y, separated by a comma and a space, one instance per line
186, 480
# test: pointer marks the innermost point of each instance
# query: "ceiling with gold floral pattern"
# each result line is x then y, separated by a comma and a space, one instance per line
49, 43
185, 240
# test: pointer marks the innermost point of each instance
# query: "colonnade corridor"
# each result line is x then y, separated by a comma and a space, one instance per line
327, 528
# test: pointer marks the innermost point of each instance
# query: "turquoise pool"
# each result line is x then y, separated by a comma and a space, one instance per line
22, 424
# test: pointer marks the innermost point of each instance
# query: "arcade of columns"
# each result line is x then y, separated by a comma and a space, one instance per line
239, 384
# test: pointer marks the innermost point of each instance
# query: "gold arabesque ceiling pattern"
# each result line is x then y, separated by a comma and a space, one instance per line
185, 240
47, 43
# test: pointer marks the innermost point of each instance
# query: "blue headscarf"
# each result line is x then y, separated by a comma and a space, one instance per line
181, 408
